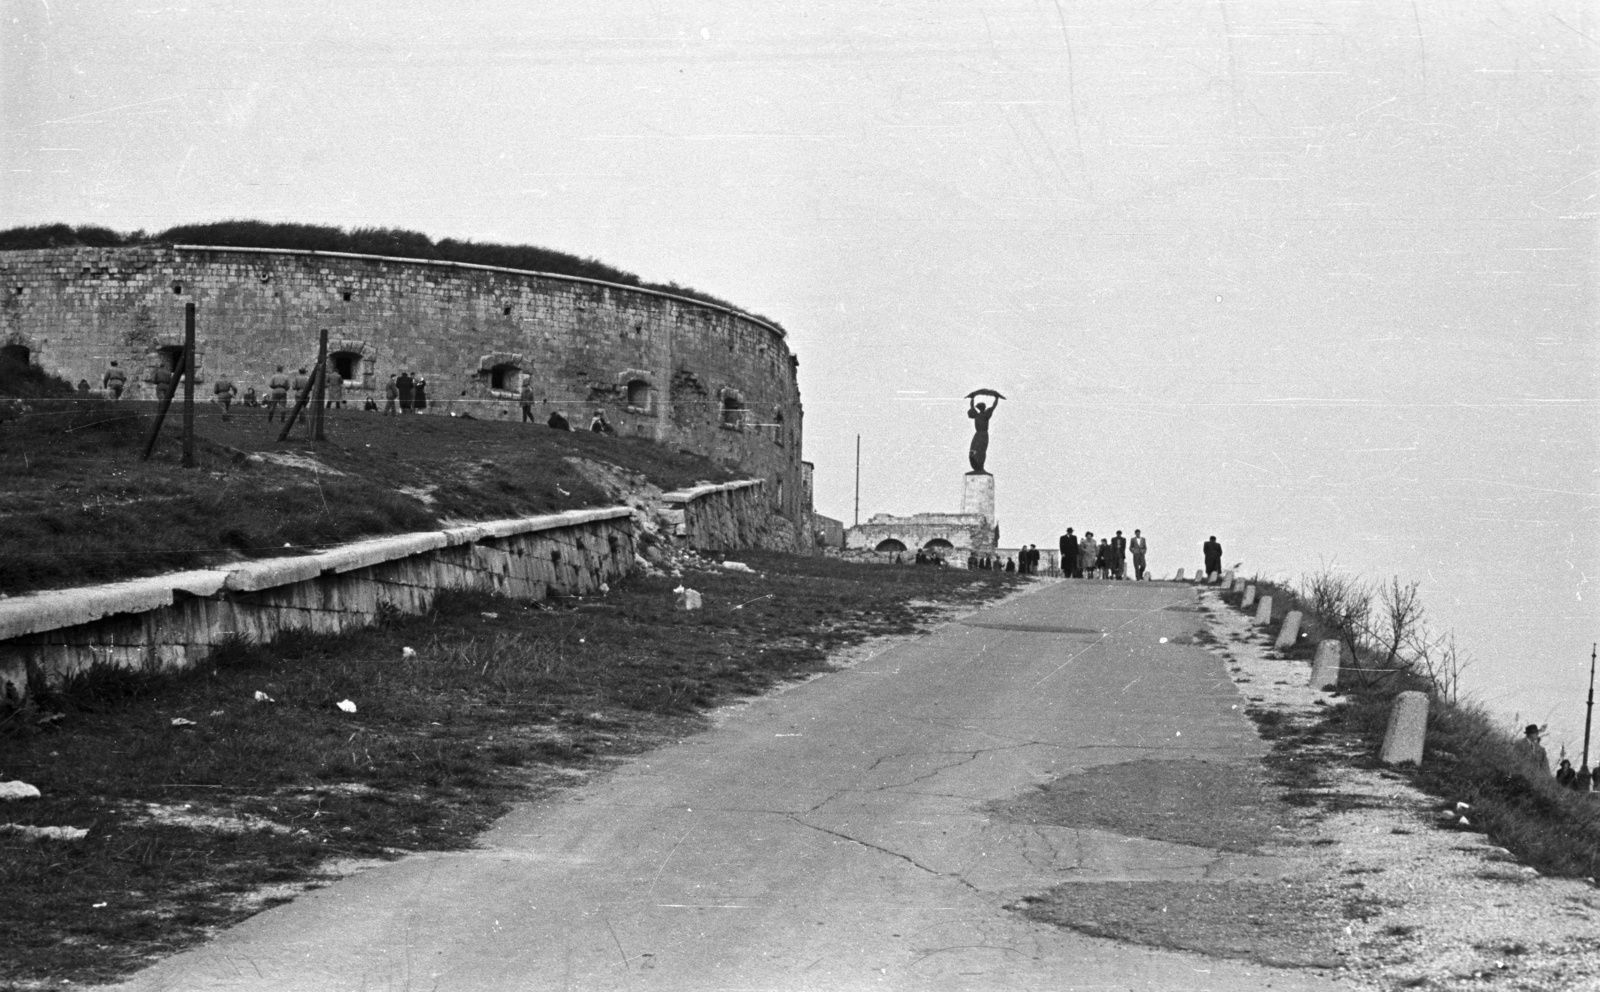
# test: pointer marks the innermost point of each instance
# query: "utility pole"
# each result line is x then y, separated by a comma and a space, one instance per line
188, 385
1588, 715
858, 481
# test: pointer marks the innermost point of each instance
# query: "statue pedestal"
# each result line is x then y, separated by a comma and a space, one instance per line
978, 496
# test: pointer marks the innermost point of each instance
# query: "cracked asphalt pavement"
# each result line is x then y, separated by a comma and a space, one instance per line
828, 836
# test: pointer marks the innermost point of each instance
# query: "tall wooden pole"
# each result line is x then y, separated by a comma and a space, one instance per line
858, 480
319, 396
1589, 713
188, 385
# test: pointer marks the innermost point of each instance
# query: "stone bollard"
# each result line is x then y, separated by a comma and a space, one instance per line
1264, 611
1179, 576
1249, 597
1408, 723
1325, 669
1227, 578
1289, 632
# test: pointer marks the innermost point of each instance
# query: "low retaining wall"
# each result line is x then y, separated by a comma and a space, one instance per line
729, 517
176, 619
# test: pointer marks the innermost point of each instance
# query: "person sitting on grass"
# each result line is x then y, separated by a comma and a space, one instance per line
557, 421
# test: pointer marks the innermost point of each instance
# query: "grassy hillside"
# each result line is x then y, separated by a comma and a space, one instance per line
79, 506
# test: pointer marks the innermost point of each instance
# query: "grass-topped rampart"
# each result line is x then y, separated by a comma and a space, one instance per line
390, 241
1468, 756
78, 506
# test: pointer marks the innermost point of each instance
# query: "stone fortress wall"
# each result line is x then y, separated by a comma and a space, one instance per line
695, 375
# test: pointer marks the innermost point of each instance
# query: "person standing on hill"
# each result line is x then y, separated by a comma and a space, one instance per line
278, 394
1138, 546
1119, 555
1069, 556
419, 394
1532, 751
223, 391
300, 383
404, 384
391, 392
333, 395
114, 380
1086, 555
526, 398
1213, 553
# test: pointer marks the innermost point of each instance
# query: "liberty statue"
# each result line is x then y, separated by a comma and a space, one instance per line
980, 414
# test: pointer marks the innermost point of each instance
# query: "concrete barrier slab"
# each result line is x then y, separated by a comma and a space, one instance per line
1289, 633
1264, 611
269, 573
1249, 598
1325, 668
1408, 725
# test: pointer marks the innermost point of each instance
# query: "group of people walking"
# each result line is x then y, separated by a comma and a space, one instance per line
1084, 558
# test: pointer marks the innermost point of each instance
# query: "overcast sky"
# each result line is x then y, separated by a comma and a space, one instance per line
1316, 277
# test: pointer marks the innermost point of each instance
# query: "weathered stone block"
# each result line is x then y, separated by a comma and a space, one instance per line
1408, 726
1289, 633
1325, 667
1264, 611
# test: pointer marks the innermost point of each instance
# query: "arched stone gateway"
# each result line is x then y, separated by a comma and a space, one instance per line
890, 545
938, 544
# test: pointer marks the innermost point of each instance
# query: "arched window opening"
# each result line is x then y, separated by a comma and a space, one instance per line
777, 428
505, 376
639, 394
938, 544
17, 353
732, 413
889, 544
347, 364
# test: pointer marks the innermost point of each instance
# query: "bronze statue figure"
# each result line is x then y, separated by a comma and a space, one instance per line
980, 414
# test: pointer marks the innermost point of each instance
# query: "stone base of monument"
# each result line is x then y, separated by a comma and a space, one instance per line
977, 495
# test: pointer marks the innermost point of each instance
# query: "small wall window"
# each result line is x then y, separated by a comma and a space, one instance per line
889, 544
177, 289
506, 311
347, 364
505, 376
639, 394
347, 296
777, 429
732, 413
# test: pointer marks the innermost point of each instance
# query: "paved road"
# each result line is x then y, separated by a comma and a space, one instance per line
825, 837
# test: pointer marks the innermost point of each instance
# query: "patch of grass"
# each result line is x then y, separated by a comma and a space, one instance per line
78, 506
492, 710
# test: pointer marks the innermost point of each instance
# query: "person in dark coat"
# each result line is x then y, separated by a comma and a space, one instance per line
1213, 553
1119, 555
557, 421
419, 394
405, 384
1069, 555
